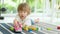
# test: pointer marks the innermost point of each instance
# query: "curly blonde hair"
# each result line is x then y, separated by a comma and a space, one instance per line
24, 7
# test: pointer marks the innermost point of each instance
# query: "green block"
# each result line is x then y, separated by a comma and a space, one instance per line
11, 28
49, 28
37, 29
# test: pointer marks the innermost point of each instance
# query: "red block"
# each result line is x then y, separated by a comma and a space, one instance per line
58, 27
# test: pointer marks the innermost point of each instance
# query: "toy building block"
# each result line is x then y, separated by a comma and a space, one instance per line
18, 28
58, 27
49, 28
34, 28
12, 28
26, 28
30, 30
37, 29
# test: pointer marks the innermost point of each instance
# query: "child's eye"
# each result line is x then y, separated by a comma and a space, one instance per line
24, 12
21, 11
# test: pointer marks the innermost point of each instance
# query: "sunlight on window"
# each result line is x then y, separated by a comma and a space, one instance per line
58, 14
58, 4
50, 3
41, 5
58, 8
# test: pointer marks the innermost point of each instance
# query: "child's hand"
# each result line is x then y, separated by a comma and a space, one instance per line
15, 23
37, 20
17, 26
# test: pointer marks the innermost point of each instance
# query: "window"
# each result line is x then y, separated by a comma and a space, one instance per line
50, 1
10, 6
57, 8
58, 4
40, 4
48, 7
31, 4
36, 5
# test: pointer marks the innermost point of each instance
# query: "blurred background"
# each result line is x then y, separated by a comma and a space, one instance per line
46, 10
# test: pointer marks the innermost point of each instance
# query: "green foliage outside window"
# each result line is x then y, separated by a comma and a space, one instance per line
31, 4
40, 4
9, 7
14, 1
0, 6
58, 4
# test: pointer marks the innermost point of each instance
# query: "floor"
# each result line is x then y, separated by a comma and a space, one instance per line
4, 29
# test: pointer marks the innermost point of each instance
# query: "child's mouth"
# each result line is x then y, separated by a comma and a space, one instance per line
22, 16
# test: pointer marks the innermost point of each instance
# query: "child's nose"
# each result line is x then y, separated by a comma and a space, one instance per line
22, 12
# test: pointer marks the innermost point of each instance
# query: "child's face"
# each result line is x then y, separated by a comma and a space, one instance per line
23, 14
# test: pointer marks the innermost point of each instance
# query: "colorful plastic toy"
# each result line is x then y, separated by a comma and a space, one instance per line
18, 28
30, 28
58, 27
26, 28
49, 28
12, 28
34, 28
37, 29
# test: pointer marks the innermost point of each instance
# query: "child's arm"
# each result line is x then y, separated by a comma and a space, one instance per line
15, 23
36, 20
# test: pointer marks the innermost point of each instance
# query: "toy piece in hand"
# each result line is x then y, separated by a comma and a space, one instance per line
18, 29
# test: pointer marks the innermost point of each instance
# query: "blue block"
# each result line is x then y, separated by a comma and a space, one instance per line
29, 30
